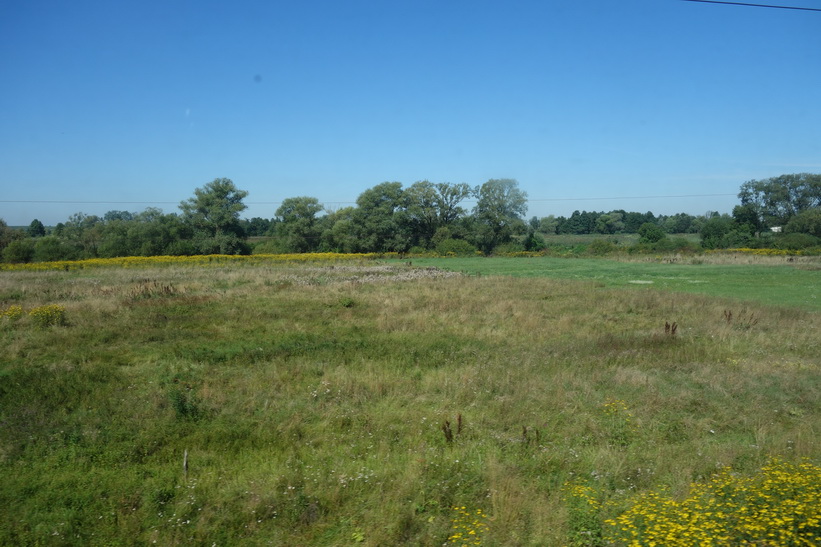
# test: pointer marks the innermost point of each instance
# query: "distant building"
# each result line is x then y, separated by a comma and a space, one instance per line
776, 229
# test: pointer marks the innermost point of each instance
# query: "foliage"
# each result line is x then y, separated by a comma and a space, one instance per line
19, 250
36, 229
214, 213
297, 227
534, 242
780, 505
378, 219
12, 313
431, 207
651, 233
601, 247
499, 208
455, 247
48, 316
796, 241
7, 235
805, 222
776, 200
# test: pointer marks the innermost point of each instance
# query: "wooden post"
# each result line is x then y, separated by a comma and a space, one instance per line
185, 462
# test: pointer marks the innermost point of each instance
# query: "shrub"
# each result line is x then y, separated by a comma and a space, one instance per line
534, 242
508, 248
651, 233
48, 316
600, 247
458, 247
19, 251
12, 313
794, 241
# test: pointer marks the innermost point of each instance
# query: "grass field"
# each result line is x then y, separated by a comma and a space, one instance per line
761, 279
372, 404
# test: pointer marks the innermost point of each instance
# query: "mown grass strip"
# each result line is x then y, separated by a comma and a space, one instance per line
781, 285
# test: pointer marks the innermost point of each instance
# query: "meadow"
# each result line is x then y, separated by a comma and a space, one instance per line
778, 280
369, 402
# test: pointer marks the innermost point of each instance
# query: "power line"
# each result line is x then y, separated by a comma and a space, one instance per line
753, 5
107, 202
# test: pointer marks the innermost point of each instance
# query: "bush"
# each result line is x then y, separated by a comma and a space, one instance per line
793, 242
51, 248
19, 251
508, 248
457, 247
650, 233
534, 242
48, 316
601, 247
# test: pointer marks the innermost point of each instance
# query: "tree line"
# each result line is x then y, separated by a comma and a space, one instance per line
425, 216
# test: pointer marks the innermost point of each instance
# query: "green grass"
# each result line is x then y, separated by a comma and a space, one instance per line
784, 284
312, 403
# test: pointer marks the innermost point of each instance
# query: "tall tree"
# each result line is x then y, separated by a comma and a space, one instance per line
36, 229
213, 212
778, 199
429, 207
298, 224
380, 218
500, 205
7, 235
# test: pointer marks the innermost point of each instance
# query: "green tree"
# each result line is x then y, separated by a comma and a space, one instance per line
805, 222
118, 215
256, 226
19, 251
499, 207
7, 235
213, 213
777, 199
721, 232
747, 218
548, 224
339, 232
380, 219
298, 225
650, 232
51, 247
610, 223
83, 232
36, 229
429, 207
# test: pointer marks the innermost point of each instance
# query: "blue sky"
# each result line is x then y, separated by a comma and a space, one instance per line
144, 101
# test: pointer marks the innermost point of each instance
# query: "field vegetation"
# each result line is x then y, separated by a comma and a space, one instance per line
372, 403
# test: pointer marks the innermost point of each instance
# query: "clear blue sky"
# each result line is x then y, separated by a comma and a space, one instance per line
144, 101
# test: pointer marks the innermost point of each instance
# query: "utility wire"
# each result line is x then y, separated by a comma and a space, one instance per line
753, 5
105, 202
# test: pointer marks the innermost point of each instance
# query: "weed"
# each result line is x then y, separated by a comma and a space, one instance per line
467, 526
743, 320
12, 313
780, 505
49, 316
152, 289
184, 404
584, 514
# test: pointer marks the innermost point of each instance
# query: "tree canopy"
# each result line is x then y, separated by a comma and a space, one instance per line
776, 200
214, 214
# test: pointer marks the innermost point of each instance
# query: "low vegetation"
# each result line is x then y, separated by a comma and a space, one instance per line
359, 402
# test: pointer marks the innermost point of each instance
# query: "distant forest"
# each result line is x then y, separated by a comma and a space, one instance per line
780, 212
